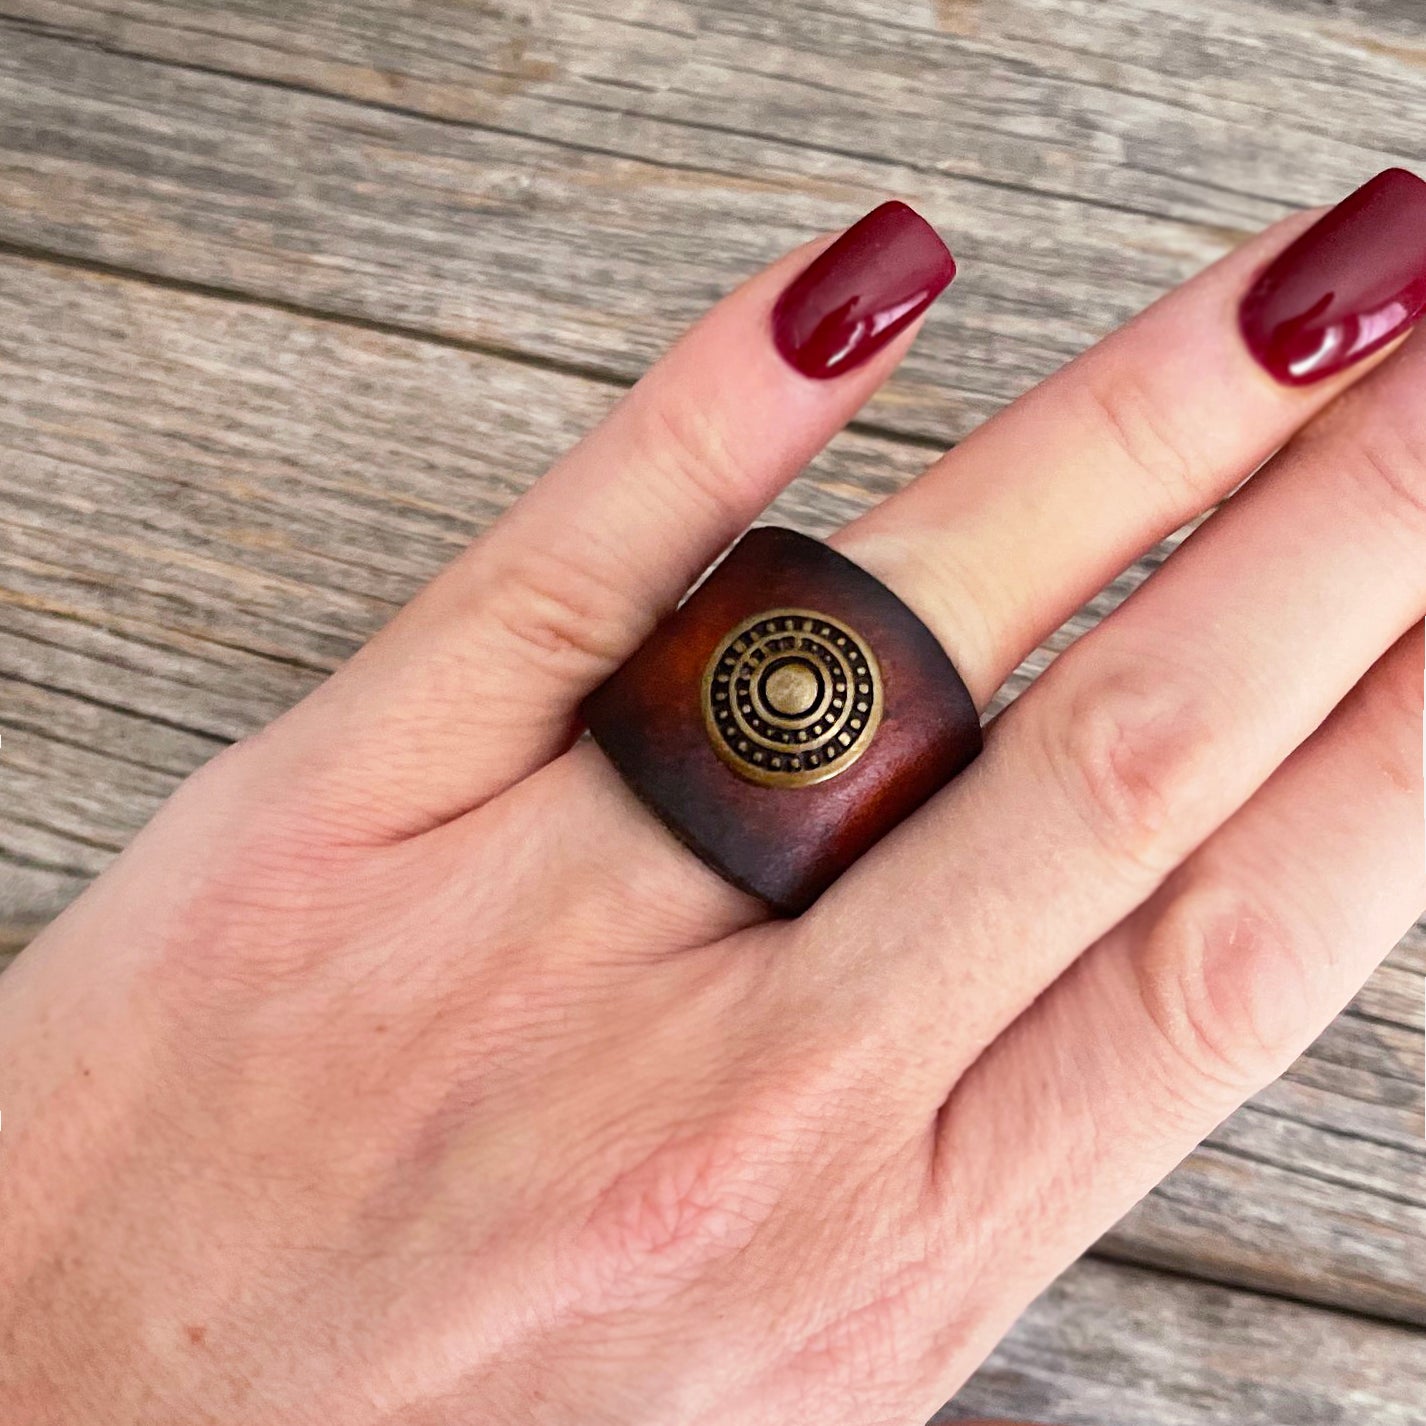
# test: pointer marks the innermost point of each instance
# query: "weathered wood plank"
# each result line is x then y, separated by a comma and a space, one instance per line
574, 181
1087, 102
209, 504
1109, 1346
530, 245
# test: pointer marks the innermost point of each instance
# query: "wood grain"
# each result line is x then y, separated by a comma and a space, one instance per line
638, 159
1113, 1346
547, 248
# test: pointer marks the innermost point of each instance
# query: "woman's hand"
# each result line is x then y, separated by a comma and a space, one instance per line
405, 1070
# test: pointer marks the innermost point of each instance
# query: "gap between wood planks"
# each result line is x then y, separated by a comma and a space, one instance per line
495, 351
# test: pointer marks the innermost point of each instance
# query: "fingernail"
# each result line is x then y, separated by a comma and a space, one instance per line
872, 283
1346, 287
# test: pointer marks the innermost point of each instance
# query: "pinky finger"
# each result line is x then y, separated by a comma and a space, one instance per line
1200, 998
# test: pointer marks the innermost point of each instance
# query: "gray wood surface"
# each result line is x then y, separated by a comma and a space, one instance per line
1108, 1344
295, 297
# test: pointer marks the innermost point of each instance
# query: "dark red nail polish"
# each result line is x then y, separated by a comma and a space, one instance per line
872, 283
1347, 286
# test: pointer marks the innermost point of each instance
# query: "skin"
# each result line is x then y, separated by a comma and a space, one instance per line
404, 1070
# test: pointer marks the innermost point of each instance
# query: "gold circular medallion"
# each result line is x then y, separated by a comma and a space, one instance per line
791, 697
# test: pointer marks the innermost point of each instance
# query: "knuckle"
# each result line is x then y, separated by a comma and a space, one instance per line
1391, 462
266, 912
1399, 716
687, 441
260, 890
1131, 746
689, 1202
1140, 424
1223, 983
566, 612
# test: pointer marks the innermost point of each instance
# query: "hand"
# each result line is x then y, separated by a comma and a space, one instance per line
405, 1070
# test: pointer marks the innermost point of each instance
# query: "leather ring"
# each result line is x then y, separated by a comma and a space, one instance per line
786, 717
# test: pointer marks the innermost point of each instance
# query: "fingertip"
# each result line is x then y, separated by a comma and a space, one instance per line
860, 292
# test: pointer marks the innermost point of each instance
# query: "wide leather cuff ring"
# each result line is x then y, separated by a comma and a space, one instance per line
786, 717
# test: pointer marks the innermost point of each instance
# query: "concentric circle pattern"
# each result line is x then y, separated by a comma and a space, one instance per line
791, 697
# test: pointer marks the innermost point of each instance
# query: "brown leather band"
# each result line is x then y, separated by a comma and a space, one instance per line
786, 717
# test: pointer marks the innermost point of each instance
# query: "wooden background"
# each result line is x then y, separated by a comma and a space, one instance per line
295, 295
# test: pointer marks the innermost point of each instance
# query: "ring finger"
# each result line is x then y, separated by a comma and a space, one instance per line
1149, 732
1127, 443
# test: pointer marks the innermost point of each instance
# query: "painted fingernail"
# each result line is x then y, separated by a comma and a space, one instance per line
1352, 282
872, 283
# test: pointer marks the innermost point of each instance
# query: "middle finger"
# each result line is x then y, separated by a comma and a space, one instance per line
1008, 534
1127, 443
1148, 734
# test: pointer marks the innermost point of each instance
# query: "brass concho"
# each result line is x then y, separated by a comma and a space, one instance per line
791, 697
